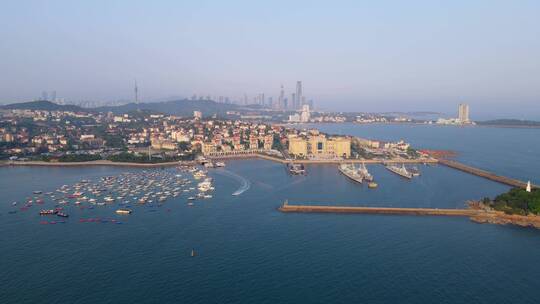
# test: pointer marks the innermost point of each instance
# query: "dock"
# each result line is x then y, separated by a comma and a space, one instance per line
485, 174
378, 210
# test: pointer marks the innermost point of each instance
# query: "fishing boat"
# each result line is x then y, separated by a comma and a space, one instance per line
414, 171
373, 185
47, 212
296, 169
123, 211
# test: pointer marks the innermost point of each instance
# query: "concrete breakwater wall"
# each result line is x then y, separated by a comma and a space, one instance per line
485, 174
379, 210
475, 215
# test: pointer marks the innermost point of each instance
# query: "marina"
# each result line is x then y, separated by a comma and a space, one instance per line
149, 188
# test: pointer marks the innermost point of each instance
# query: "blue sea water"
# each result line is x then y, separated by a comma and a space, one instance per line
248, 252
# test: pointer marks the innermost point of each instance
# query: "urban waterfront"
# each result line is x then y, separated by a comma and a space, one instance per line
511, 152
247, 251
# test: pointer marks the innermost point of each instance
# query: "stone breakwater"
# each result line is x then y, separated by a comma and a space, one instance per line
476, 215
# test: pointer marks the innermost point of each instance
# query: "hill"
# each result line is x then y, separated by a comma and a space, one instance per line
42, 105
174, 107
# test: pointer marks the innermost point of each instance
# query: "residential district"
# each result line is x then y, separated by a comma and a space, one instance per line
143, 137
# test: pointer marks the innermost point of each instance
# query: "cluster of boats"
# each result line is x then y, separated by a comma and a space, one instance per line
151, 188
358, 174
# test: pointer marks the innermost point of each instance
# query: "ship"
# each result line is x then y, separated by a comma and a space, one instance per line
401, 171
365, 173
350, 171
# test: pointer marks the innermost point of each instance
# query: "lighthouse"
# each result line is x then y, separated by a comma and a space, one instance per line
528, 188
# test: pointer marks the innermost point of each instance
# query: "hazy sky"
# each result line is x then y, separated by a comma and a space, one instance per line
351, 55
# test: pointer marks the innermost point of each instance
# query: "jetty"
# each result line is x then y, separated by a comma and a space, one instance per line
485, 174
378, 210
474, 214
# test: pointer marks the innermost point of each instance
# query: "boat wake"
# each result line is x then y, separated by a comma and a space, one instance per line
244, 183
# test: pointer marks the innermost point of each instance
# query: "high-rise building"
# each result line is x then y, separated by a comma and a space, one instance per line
293, 101
281, 99
44, 95
305, 115
463, 113
298, 100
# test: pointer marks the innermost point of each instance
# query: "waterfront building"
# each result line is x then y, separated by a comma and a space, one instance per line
320, 147
297, 146
305, 115
463, 113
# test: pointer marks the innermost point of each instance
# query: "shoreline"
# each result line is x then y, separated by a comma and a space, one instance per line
221, 157
89, 163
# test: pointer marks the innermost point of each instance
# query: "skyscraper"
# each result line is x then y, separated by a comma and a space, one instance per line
281, 99
293, 102
463, 113
298, 100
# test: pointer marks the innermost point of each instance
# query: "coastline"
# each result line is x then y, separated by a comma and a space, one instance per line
220, 157
90, 163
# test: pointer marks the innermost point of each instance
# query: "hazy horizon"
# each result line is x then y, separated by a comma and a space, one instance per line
350, 55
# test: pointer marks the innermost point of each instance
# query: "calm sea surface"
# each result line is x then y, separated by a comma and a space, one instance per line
248, 252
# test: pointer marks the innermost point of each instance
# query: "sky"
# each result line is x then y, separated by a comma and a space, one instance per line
350, 55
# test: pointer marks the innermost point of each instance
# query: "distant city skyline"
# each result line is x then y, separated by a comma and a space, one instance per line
349, 55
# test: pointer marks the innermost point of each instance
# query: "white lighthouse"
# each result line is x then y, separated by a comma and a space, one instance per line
528, 188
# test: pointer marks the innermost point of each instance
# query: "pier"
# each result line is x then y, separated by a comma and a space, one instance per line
485, 174
378, 210
476, 215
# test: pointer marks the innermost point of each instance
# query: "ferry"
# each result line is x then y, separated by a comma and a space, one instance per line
401, 171
123, 211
